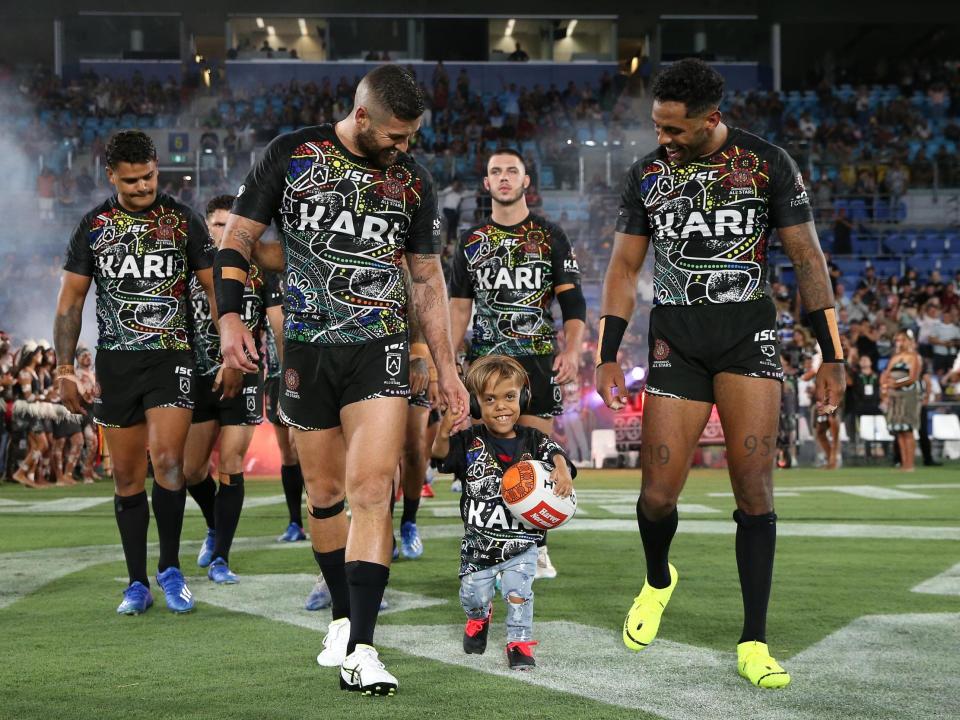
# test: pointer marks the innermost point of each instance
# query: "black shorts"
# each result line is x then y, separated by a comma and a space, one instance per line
244, 409
66, 428
419, 400
546, 397
690, 344
320, 380
271, 399
130, 382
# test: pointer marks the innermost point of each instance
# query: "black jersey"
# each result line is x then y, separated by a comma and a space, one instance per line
491, 534
141, 263
511, 273
344, 224
262, 291
709, 220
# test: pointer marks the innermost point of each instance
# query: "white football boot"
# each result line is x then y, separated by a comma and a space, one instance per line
335, 643
363, 672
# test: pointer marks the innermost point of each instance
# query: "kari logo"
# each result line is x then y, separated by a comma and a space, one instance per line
291, 378
661, 351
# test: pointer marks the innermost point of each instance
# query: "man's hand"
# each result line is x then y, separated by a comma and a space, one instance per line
455, 397
562, 482
237, 345
830, 386
69, 391
433, 395
610, 378
566, 366
419, 375
230, 381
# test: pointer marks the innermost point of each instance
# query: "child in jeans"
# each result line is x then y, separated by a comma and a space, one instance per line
494, 542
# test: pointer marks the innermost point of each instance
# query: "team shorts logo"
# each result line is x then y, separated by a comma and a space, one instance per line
393, 364
241, 190
768, 350
185, 385
251, 404
661, 351
291, 378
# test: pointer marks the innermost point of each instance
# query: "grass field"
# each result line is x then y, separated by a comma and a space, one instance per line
864, 613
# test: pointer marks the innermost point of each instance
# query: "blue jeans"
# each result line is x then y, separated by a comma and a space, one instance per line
477, 590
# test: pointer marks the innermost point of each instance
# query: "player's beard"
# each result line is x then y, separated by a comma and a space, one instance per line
381, 157
511, 199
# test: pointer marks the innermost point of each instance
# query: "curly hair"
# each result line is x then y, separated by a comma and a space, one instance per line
692, 82
130, 146
396, 90
220, 202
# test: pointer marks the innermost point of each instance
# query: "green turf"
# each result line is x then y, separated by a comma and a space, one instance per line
64, 653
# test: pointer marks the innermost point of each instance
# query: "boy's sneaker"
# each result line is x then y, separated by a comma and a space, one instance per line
545, 568
221, 573
178, 595
293, 533
520, 655
335, 643
411, 546
362, 671
206, 549
319, 598
427, 492
136, 599
475, 634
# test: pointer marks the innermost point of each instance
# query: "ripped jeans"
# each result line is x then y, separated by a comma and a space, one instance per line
477, 590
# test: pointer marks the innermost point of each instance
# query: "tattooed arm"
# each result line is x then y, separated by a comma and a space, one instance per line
430, 304
813, 280
66, 333
237, 344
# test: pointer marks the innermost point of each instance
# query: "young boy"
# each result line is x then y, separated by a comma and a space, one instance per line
494, 542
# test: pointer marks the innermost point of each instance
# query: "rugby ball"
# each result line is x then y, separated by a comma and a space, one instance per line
527, 491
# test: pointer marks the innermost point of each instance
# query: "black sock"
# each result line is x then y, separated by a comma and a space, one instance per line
657, 536
367, 582
203, 493
410, 507
228, 506
133, 519
332, 569
291, 477
168, 511
756, 543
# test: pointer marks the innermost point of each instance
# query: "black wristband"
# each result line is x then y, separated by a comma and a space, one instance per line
824, 324
229, 291
612, 329
573, 306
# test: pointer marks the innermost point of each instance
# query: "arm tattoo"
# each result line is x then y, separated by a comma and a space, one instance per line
802, 247
66, 333
430, 304
413, 317
245, 241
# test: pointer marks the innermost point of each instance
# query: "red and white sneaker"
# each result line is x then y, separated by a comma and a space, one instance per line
520, 655
475, 634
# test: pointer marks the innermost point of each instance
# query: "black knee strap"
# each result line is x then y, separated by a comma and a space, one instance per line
327, 512
747, 521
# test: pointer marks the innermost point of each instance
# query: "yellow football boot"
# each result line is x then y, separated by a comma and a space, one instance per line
755, 664
643, 621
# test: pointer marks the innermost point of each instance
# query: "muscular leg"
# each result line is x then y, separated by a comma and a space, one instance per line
371, 424
749, 410
128, 447
234, 442
196, 467
669, 436
167, 429
322, 457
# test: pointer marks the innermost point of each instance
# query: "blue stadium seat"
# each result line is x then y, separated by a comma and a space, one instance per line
858, 209
547, 180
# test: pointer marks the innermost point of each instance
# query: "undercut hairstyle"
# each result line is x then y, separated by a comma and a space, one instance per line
491, 369
220, 202
509, 151
396, 90
692, 82
130, 146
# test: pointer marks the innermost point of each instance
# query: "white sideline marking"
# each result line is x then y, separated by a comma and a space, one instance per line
946, 583
872, 492
929, 486
631, 510
67, 504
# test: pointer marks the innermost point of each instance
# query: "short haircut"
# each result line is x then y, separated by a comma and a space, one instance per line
508, 151
494, 368
220, 202
692, 82
396, 90
130, 146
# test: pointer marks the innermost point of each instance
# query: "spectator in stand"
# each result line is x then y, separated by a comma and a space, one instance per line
451, 199
944, 338
866, 389
842, 233
930, 322
46, 193
518, 55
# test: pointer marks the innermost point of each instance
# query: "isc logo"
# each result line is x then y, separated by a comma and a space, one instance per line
358, 176
705, 175
765, 335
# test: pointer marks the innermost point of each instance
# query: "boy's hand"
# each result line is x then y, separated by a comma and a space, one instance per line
562, 482
447, 421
